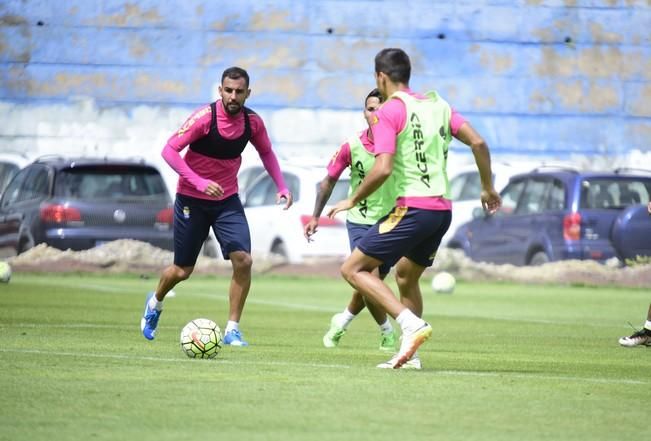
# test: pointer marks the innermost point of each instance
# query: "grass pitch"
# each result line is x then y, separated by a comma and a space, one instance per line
506, 362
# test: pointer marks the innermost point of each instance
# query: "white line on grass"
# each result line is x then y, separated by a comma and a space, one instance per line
536, 375
173, 360
495, 374
317, 308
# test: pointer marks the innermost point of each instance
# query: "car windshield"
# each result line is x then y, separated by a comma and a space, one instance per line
614, 193
110, 183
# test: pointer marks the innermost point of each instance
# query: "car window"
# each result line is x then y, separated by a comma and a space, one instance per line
556, 198
7, 171
533, 197
339, 192
510, 196
456, 186
247, 176
614, 193
14, 189
472, 189
263, 190
110, 183
35, 185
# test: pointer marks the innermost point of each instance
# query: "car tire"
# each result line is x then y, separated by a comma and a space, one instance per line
538, 258
280, 249
24, 245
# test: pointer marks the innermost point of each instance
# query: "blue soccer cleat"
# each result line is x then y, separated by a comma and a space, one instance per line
234, 338
149, 320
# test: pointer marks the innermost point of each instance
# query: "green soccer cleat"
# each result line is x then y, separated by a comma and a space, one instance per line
334, 334
389, 341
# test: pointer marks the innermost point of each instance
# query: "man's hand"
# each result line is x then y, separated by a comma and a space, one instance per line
648, 207
310, 228
490, 201
344, 205
214, 189
287, 196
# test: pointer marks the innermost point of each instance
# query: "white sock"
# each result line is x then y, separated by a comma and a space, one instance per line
647, 325
386, 327
231, 325
344, 318
409, 321
155, 304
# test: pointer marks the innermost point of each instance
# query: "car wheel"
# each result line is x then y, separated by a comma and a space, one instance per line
538, 258
24, 245
280, 249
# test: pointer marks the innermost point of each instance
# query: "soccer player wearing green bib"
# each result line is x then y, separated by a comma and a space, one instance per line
357, 154
412, 133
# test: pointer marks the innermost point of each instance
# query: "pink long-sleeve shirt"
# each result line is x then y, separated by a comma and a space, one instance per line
196, 171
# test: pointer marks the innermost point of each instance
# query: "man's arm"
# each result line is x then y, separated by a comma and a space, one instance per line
322, 197
490, 199
379, 173
270, 163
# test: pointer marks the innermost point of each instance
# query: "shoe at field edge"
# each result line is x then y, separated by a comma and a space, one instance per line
234, 338
388, 342
149, 320
410, 344
639, 338
334, 334
412, 364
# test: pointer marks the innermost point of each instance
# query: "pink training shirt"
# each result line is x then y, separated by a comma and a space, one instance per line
391, 120
342, 159
196, 171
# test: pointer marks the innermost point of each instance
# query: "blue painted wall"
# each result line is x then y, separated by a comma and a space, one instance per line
536, 77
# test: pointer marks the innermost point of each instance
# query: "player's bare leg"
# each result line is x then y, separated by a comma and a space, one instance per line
170, 276
237, 294
357, 272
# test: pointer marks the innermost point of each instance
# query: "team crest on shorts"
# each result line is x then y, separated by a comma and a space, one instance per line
186, 212
393, 219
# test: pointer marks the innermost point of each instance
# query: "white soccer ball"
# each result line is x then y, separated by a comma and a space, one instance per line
201, 338
443, 282
5, 272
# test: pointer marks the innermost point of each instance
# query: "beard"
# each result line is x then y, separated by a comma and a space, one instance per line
232, 108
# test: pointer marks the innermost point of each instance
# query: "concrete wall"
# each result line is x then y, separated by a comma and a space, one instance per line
552, 79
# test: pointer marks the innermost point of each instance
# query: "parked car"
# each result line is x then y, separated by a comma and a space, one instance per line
278, 231
84, 202
10, 163
465, 189
555, 214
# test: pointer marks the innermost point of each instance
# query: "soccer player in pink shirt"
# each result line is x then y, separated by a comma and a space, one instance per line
412, 133
207, 195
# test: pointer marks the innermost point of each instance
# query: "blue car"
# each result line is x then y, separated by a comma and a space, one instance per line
552, 214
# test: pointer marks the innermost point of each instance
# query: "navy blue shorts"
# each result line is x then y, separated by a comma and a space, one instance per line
406, 232
193, 219
355, 234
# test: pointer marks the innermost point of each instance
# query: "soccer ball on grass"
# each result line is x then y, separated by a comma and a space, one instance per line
5, 272
443, 282
201, 338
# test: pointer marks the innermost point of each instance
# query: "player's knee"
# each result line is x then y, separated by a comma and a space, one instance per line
242, 261
347, 272
183, 273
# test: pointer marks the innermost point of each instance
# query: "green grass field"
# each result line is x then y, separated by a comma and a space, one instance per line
506, 362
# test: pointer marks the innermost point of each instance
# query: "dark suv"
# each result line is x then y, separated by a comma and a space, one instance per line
555, 214
81, 203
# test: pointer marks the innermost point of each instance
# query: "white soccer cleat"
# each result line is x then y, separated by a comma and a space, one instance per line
413, 363
641, 337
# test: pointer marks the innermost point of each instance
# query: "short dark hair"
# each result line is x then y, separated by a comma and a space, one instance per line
234, 73
375, 93
394, 63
